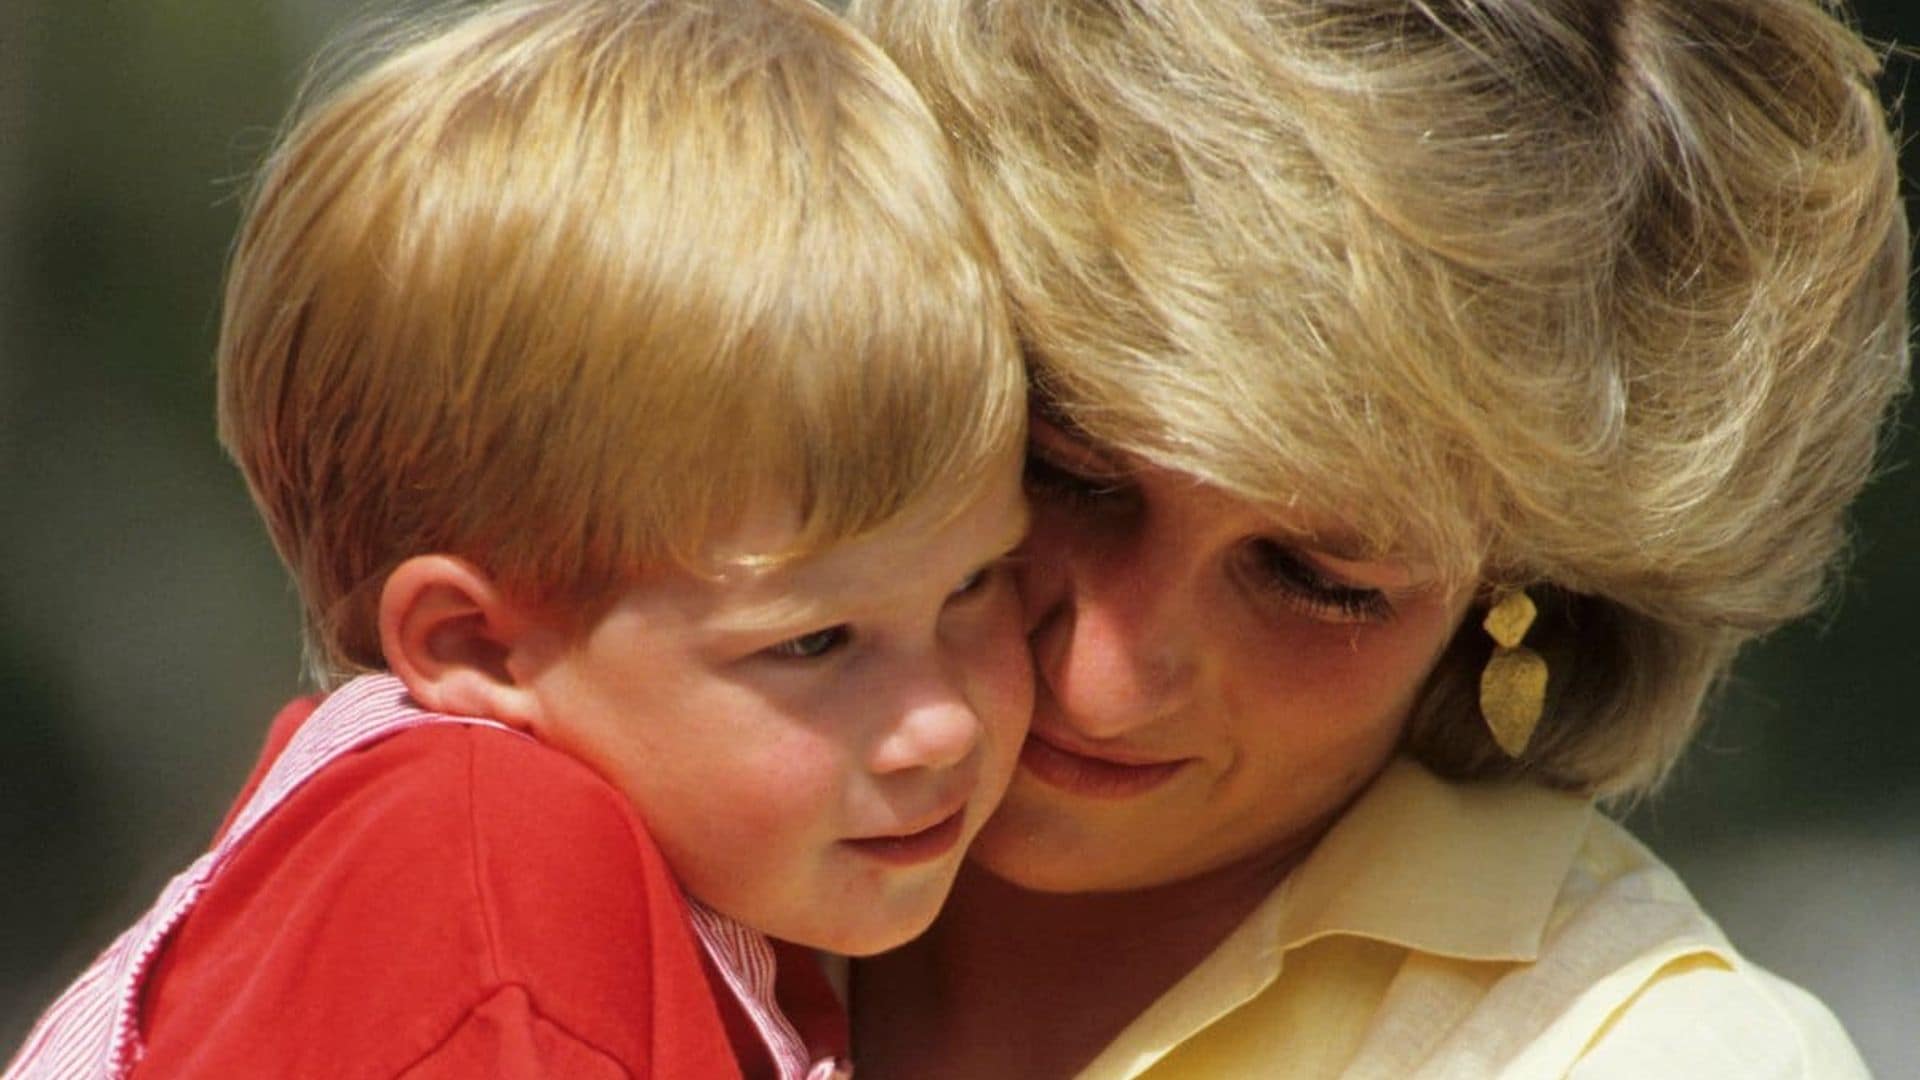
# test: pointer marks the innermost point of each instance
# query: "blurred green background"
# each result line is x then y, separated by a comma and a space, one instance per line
146, 633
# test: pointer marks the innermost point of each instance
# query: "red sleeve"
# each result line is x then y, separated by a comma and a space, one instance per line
507, 1038
445, 893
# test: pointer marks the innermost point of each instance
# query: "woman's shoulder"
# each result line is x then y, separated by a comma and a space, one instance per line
1720, 1017
1667, 994
1568, 948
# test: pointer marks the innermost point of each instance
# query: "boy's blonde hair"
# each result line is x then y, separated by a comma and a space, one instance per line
562, 286
1603, 298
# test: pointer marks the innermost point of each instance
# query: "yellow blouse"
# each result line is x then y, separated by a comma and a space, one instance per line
1445, 930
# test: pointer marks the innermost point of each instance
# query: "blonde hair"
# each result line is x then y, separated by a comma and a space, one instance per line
1601, 298
562, 286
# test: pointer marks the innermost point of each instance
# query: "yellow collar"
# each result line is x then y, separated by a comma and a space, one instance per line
1469, 871
1458, 870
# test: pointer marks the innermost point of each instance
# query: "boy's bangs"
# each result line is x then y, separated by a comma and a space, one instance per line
567, 289
845, 394
820, 324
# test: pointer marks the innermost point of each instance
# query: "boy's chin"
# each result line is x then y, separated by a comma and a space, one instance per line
874, 944
886, 927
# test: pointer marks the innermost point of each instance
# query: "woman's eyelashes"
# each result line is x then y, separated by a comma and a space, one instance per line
1277, 571
971, 583
988, 575
811, 645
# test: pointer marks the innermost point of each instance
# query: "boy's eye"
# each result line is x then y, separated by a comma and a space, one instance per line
1275, 570
809, 646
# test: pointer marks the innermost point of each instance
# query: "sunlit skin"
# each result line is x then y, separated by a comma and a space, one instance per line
1215, 684
1248, 673
814, 745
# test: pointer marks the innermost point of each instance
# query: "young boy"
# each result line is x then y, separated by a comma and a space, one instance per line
626, 387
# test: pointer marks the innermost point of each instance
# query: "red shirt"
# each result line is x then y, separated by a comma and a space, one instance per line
450, 901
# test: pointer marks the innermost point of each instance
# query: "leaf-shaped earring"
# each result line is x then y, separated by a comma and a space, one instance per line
1513, 688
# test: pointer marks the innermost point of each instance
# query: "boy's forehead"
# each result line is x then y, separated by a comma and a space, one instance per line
902, 554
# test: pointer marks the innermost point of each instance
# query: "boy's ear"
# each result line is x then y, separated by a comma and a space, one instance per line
450, 633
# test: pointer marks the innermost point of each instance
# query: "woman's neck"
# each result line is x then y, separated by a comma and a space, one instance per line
1018, 984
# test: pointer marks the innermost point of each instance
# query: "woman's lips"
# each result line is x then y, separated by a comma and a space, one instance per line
1087, 774
918, 847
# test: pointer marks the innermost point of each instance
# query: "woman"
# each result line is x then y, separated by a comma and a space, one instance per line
1386, 355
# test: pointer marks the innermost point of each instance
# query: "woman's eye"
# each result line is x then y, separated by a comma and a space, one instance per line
809, 646
1054, 482
1277, 570
971, 583
981, 580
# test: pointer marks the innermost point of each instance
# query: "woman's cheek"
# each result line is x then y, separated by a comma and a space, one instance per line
1343, 674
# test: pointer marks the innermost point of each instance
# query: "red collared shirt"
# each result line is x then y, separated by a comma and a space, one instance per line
448, 900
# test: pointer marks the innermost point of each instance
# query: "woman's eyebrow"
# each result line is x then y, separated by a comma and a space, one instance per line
1342, 546
1331, 540
1047, 411
1088, 455
1337, 544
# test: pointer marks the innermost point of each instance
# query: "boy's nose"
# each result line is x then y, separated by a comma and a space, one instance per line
935, 728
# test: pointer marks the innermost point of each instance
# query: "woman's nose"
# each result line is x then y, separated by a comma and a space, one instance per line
1115, 650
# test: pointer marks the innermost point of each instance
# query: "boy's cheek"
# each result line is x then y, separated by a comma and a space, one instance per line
778, 784
1037, 586
1011, 695
1014, 667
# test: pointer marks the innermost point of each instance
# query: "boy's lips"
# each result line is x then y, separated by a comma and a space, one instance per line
920, 845
1099, 774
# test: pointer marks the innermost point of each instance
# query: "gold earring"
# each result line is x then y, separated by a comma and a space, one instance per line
1513, 688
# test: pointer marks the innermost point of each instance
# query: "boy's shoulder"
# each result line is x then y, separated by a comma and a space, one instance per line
415, 888
410, 777
514, 801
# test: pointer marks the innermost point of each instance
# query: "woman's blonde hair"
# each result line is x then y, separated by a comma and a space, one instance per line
1604, 298
563, 286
